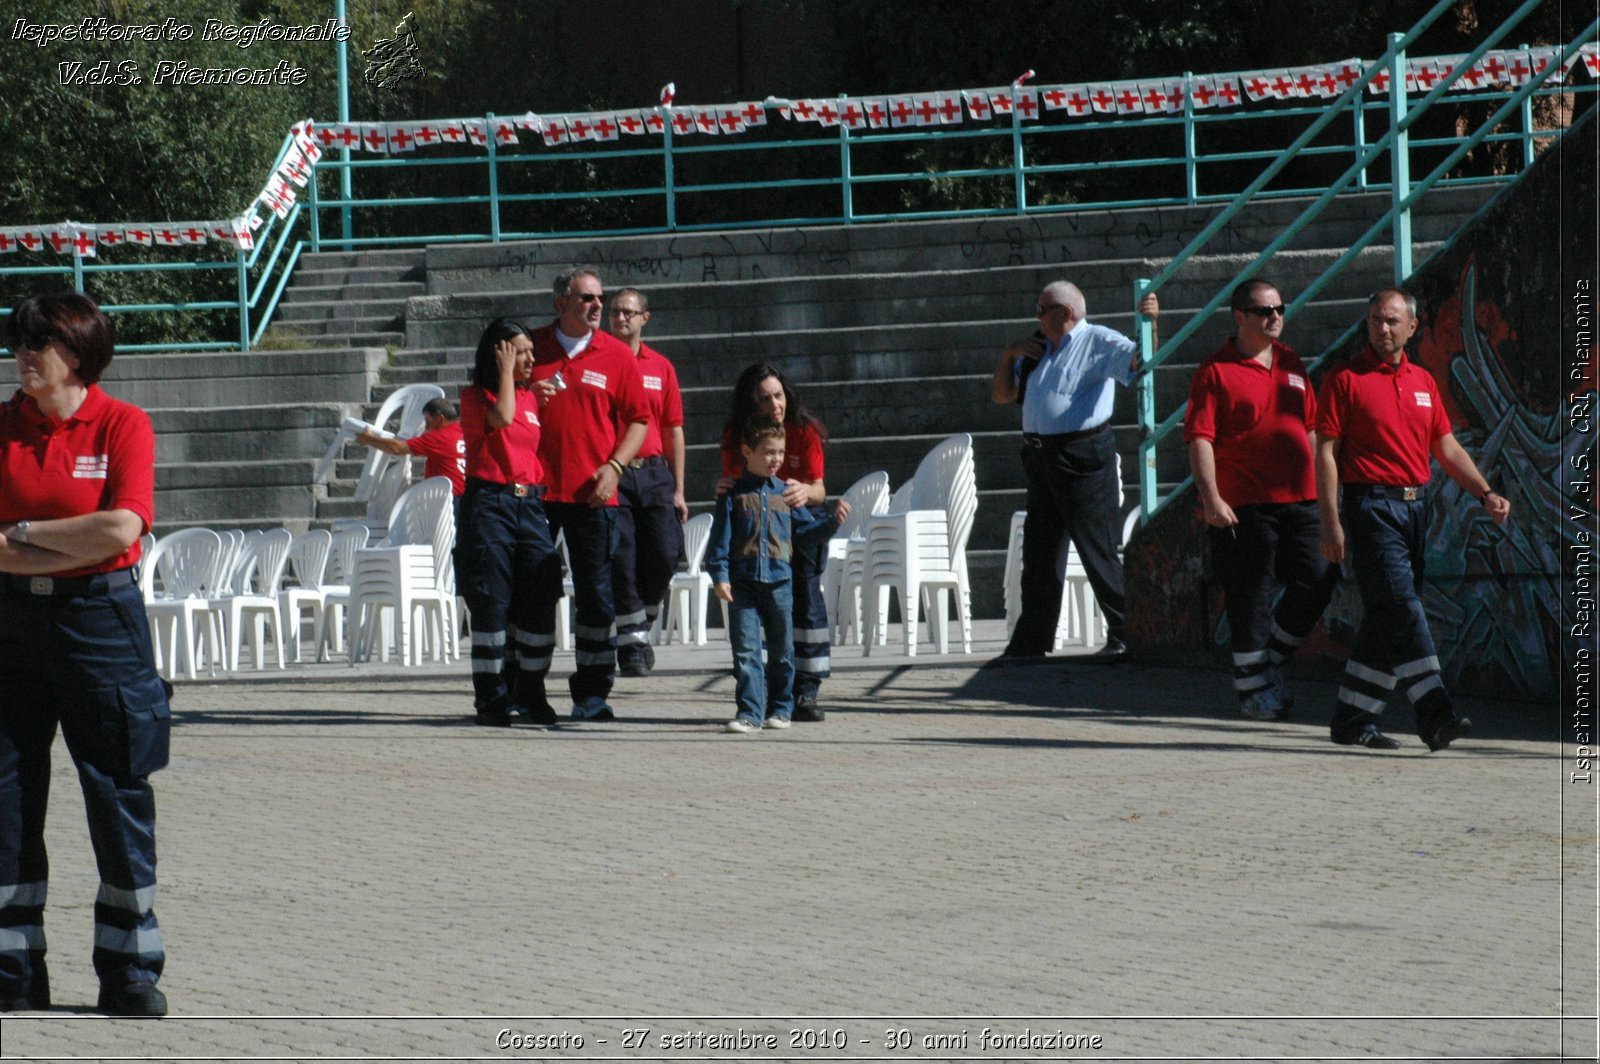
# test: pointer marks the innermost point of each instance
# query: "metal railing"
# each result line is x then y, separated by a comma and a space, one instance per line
1404, 195
842, 177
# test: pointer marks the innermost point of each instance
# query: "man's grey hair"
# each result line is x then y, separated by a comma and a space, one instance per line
1066, 293
1384, 293
562, 285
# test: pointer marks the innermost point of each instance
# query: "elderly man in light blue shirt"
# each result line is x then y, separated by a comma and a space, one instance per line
1063, 377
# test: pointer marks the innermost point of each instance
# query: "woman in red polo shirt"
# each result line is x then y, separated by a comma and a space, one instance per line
504, 550
77, 488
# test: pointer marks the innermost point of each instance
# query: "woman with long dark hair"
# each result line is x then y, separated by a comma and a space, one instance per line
762, 389
505, 556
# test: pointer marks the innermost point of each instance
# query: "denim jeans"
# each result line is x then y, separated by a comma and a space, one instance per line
757, 608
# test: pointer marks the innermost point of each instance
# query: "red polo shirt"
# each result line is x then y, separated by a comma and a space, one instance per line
1257, 420
1387, 417
802, 455
103, 457
661, 394
444, 454
504, 456
581, 424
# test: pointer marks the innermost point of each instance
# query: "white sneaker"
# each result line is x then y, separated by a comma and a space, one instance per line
776, 722
740, 725
1263, 705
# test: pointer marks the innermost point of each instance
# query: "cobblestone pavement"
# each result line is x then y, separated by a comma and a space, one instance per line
1052, 861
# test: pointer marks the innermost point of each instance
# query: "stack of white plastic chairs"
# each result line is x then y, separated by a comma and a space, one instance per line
250, 594
867, 496
921, 553
383, 476
178, 575
308, 562
341, 567
405, 576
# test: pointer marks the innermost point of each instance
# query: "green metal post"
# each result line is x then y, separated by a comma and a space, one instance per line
1191, 175
494, 179
666, 168
345, 187
1017, 161
1358, 116
1399, 161
77, 272
1147, 404
316, 213
243, 275
844, 169
1527, 126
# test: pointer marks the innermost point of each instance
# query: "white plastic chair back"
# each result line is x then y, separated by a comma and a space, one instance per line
867, 496
407, 403
416, 516
696, 538
182, 565
342, 547
900, 501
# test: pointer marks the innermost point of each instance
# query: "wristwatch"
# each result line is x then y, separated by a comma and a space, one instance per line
20, 533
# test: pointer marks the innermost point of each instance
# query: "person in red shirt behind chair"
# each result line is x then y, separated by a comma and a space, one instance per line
595, 419
1379, 421
440, 445
1250, 412
77, 489
652, 511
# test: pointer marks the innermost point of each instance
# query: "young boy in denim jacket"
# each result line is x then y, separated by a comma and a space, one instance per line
753, 535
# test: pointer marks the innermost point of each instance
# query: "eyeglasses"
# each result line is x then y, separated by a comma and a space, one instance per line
1041, 309
625, 313
1265, 312
587, 297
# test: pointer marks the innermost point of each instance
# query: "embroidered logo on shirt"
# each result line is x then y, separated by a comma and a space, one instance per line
1297, 381
1423, 399
653, 383
91, 466
596, 379
533, 419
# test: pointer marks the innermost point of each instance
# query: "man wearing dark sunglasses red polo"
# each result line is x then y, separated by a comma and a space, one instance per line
1251, 409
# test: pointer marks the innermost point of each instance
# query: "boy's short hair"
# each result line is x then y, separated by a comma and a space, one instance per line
761, 427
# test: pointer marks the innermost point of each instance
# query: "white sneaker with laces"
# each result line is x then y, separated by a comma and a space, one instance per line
740, 726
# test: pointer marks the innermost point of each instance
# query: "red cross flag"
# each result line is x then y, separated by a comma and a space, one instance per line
978, 104
1000, 101
427, 134
1379, 84
138, 233
295, 167
1128, 98
1055, 97
730, 119
32, 239
1258, 86
1203, 93
668, 91
1177, 91
504, 132
82, 240
631, 122
529, 121
1591, 59
877, 111
949, 108
683, 123
654, 121
191, 232
473, 127
803, 111
112, 235
1078, 100
605, 126
852, 115
167, 237
580, 127
240, 235
451, 132
926, 106
1101, 99
755, 114
1229, 93
59, 239
8, 242
827, 113
705, 120
1026, 102
327, 137
901, 113
555, 130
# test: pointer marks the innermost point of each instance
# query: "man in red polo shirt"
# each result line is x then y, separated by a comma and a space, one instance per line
1379, 420
652, 511
1250, 411
595, 419
440, 446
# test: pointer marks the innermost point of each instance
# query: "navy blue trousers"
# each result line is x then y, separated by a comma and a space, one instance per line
591, 542
504, 548
649, 550
1385, 537
813, 641
85, 664
1273, 544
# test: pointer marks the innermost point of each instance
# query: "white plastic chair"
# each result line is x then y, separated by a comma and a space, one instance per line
402, 576
336, 587
407, 404
308, 562
252, 595
689, 591
867, 496
847, 619
177, 576
922, 553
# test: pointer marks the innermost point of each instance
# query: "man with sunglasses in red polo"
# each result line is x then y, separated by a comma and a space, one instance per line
1251, 409
1070, 457
594, 418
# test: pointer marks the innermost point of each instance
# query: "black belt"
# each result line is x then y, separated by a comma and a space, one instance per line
521, 491
16, 585
1034, 439
1403, 492
640, 463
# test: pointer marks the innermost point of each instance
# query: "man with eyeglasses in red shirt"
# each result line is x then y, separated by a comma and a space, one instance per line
1251, 408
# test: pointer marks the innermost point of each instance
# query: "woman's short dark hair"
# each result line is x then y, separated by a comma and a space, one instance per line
485, 369
746, 405
72, 319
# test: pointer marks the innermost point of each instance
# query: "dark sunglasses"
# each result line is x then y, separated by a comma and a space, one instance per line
1265, 312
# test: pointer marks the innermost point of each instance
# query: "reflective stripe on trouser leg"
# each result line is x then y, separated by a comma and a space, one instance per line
1250, 672
21, 932
591, 542
27, 730
1364, 689
649, 548
503, 558
1308, 578
122, 820
1386, 540
812, 637
127, 941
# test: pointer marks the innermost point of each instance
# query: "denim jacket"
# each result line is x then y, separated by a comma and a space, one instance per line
754, 532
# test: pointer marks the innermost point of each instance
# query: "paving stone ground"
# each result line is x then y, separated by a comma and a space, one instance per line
1088, 862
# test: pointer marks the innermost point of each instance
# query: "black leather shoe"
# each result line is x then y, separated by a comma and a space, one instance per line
634, 667
542, 715
1448, 732
807, 710
1114, 650
493, 718
1369, 736
132, 999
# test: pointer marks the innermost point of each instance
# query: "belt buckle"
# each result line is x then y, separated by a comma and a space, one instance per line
41, 585
1408, 494
1033, 441
636, 463
520, 490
